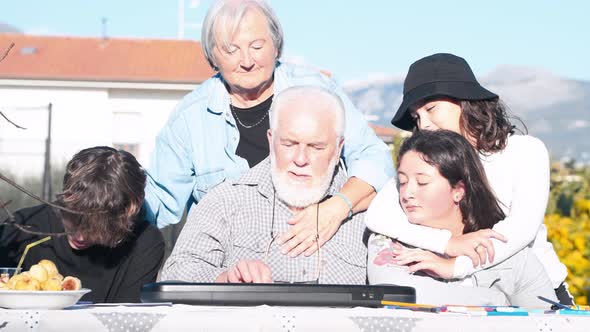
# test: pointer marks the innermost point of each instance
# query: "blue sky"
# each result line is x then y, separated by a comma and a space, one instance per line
355, 39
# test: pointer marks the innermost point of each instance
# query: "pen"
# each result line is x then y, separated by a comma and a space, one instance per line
555, 305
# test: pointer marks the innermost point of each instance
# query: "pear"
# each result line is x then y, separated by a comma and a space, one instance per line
51, 284
15, 278
49, 266
28, 284
38, 272
71, 283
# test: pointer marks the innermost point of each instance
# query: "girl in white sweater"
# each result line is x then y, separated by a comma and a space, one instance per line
441, 92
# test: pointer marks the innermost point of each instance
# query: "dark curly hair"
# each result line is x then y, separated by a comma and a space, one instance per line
107, 186
488, 122
457, 161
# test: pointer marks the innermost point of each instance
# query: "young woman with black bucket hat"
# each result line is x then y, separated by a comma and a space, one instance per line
441, 92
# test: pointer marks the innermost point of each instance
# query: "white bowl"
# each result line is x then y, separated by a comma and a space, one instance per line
15, 299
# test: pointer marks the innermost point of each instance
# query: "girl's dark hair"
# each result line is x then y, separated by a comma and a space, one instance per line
457, 161
488, 122
107, 186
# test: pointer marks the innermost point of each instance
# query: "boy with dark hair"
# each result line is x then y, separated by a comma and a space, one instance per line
106, 244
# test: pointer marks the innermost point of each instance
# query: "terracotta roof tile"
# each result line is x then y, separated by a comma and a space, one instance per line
98, 59
385, 131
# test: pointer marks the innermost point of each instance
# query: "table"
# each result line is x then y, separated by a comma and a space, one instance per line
266, 318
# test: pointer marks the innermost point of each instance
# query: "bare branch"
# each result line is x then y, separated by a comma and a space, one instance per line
10, 121
10, 215
12, 183
7, 51
11, 220
5, 204
25, 229
1, 59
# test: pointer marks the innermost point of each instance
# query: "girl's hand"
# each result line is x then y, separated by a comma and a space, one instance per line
423, 260
476, 245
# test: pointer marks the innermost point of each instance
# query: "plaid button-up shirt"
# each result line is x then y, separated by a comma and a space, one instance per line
233, 222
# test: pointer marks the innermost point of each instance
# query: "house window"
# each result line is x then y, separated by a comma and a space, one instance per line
129, 147
127, 132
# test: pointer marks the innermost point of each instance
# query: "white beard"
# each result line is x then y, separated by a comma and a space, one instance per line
296, 195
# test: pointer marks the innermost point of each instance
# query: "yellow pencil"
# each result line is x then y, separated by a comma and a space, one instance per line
406, 304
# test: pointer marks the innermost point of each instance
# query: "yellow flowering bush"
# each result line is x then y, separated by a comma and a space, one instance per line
568, 225
570, 237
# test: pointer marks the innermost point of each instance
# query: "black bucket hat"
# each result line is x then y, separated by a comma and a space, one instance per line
438, 75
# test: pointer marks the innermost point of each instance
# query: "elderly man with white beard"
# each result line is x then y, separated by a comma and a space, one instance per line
231, 235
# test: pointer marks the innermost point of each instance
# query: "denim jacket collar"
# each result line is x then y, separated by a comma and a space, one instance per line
219, 98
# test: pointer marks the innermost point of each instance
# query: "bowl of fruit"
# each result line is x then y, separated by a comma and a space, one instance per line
41, 287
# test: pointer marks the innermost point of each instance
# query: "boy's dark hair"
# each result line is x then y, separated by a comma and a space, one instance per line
107, 186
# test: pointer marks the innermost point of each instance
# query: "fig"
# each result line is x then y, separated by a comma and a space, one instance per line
71, 283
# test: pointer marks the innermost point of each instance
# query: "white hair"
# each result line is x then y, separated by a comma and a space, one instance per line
312, 98
227, 16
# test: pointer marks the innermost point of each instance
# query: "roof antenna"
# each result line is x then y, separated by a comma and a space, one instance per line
104, 28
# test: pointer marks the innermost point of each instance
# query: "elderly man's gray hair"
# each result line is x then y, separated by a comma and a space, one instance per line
224, 17
314, 98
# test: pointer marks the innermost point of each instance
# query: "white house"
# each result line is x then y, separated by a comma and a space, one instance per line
116, 92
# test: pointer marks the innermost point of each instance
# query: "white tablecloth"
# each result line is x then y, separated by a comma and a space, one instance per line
265, 318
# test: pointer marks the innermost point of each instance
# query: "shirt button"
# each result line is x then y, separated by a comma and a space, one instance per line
234, 139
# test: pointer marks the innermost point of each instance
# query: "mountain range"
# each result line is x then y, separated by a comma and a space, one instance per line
553, 108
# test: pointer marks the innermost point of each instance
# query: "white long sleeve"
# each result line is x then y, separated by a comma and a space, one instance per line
519, 176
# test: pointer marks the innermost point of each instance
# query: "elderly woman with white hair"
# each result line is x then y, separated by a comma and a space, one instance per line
218, 131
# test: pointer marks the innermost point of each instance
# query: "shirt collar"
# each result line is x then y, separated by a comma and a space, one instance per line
258, 176
218, 97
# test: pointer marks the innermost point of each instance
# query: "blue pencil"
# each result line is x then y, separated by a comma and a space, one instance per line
574, 312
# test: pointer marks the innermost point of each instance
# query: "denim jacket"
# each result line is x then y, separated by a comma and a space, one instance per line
196, 149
